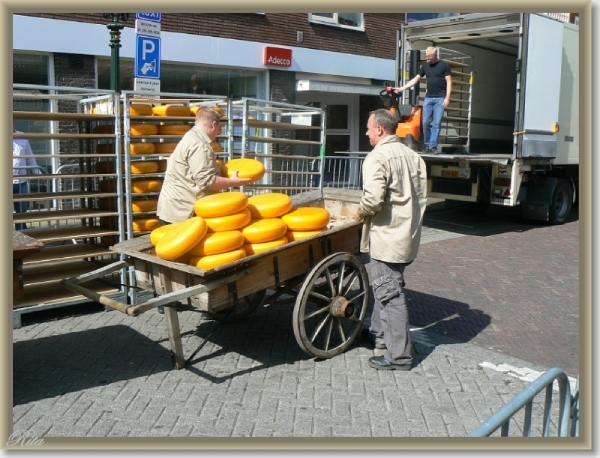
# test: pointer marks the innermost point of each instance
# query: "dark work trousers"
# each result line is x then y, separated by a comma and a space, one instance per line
389, 320
20, 207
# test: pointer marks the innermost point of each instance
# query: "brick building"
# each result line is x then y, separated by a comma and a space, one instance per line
340, 61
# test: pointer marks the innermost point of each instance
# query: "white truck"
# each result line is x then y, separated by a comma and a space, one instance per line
510, 135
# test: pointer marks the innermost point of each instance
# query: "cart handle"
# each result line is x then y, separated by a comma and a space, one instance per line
74, 284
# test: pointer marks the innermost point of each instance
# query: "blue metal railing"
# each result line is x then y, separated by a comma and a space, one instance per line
568, 412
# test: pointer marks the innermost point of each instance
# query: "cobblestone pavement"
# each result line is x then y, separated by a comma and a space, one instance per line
516, 291
480, 338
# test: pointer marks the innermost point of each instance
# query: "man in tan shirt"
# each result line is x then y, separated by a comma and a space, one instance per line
192, 171
392, 207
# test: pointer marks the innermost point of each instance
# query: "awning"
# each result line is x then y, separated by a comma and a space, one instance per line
331, 86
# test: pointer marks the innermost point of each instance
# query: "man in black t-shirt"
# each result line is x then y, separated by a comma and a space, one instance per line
437, 97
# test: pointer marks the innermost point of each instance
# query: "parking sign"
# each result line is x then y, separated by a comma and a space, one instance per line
149, 16
147, 57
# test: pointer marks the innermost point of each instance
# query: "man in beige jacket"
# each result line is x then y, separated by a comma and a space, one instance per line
392, 207
192, 170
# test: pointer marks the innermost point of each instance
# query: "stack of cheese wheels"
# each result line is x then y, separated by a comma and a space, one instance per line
162, 165
138, 129
171, 110
194, 110
266, 210
304, 222
140, 109
144, 205
164, 148
142, 167
145, 224
264, 234
142, 149
173, 129
224, 214
246, 168
269, 205
179, 238
216, 147
141, 186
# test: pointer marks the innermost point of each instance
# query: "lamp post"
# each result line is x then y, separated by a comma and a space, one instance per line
115, 28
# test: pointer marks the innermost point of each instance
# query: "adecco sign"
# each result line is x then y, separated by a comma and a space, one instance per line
277, 57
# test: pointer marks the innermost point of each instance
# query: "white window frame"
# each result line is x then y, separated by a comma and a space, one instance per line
334, 21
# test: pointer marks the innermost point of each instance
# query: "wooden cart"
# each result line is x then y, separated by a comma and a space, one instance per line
322, 273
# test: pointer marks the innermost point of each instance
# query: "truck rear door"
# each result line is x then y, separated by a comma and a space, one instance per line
538, 93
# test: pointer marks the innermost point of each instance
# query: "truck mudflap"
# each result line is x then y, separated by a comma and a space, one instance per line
548, 199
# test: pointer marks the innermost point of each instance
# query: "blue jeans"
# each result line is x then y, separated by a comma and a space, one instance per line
433, 111
20, 207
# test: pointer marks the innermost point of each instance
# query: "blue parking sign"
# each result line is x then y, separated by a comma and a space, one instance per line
148, 16
147, 57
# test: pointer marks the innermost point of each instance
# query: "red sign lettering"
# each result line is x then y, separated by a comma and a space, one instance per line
277, 57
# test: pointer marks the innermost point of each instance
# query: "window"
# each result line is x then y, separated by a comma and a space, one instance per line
349, 20
192, 79
411, 17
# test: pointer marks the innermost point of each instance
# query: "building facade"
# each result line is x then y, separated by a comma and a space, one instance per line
338, 61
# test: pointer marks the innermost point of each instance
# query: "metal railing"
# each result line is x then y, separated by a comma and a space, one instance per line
568, 409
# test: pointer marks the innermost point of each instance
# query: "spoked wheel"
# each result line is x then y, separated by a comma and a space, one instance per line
331, 305
242, 310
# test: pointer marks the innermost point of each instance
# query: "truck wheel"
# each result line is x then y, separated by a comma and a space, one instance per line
562, 201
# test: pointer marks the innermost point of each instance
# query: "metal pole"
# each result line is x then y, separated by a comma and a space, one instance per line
115, 28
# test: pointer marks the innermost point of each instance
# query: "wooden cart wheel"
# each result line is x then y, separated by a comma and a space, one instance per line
331, 305
242, 310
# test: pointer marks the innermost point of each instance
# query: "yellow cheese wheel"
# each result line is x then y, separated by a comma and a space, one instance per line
194, 110
256, 248
221, 204
269, 205
160, 232
171, 110
292, 236
143, 129
140, 109
216, 147
306, 218
145, 224
229, 222
218, 242
141, 148
173, 129
219, 110
144, 205
216, 260
181, 238
138, 186
138, 167
264, 230
164, 148
162, 166
247, 168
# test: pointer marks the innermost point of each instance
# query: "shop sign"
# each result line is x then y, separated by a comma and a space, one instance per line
277, 57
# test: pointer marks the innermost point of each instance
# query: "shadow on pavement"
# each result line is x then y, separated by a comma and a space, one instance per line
444, 316
495, 220
48, 367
